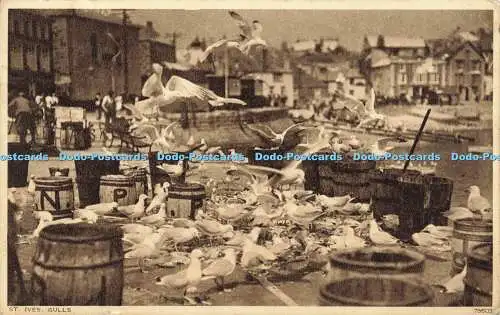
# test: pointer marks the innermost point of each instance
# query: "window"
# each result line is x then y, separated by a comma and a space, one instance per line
278, 77
42, 32
420, 78
34, 29
27, 30
433, 78
93, 47
351, 92
402, 77
16, 27
476, 65
460, 65
351, 81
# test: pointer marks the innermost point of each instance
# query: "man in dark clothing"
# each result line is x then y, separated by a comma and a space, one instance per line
23, 112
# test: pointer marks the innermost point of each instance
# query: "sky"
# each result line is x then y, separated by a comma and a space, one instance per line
350, 26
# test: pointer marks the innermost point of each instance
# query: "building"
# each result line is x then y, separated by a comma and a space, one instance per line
153, 49
355, 84
465, 72
84, 46
306, 87
30, 63
277, 83
398, 66
486, 46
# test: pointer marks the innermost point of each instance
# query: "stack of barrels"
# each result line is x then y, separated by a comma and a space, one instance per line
88, 176
376, 277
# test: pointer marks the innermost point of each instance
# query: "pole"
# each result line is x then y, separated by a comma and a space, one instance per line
125, 52
417, 138
113, 82
226, 72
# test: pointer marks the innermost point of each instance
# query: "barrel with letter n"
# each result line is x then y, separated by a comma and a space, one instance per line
118, 188
55, 195
78, 264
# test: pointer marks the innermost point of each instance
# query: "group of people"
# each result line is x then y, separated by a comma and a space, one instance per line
29, 112
109, 105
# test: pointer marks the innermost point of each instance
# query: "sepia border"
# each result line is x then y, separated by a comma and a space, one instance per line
258, 4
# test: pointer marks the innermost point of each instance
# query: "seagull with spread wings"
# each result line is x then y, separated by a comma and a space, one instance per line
176, 90
250, 36
289, 135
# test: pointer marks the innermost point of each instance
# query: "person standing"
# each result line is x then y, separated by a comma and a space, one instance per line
25, 120
108, 106
97, 105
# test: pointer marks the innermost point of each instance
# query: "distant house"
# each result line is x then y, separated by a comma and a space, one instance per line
401, 66
303, 46
465, 71
307, 87
153, 49
83, 54
355, 84
31, 67
486, 46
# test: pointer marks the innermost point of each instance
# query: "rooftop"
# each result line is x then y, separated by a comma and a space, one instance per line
115, 17
396, 42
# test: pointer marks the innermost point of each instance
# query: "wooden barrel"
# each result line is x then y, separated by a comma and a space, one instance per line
375, 290
56, 195
184, 200
63, 171
140, 177
78, 264
339, 178
414, 200
468, 233
385, 191
479, 278
395, 262
88, 176
118, 188
441, 190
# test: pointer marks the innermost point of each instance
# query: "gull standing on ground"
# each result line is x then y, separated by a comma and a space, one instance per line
221, 268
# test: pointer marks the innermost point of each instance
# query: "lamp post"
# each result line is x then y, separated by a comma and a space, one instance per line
113, 62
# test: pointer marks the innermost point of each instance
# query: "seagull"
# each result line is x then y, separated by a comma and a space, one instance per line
368, 113
220, 43
175, 170
102, 208
279, 139
136, 228
205, 149
250, 34
354, 142
87, 215
221, 268
134, 211
457, 213
180, 235
379, 237
455, 284
31, 185
159, 199
157, 218
375, 147
176, 90
146, 249
187, 278
333, 201
253, 252
478, 204
212, 228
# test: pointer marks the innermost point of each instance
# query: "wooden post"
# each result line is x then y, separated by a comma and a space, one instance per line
417, 138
